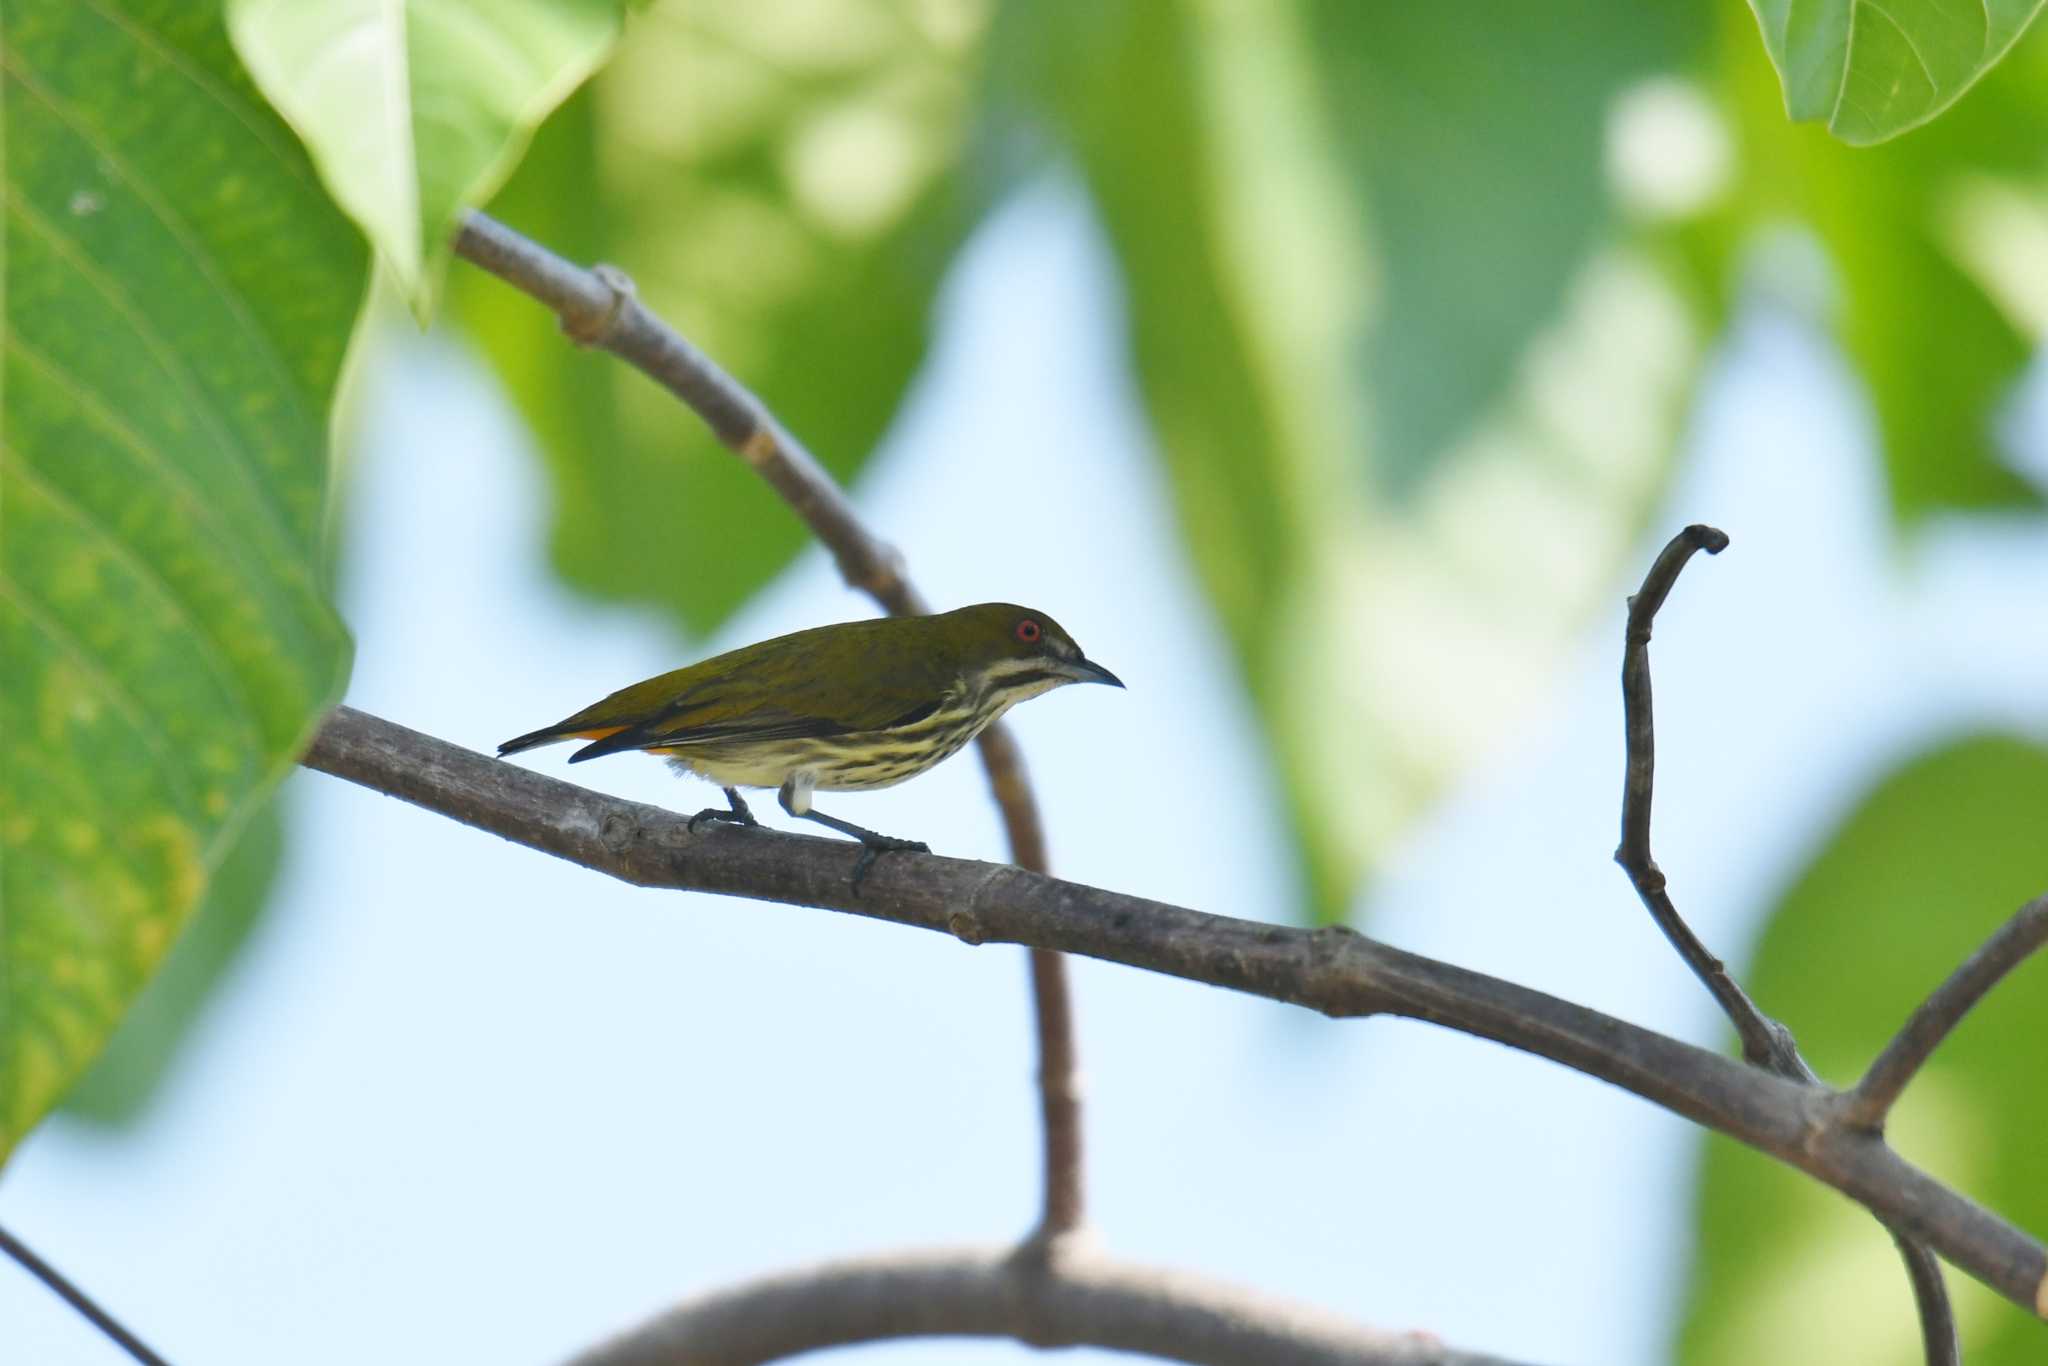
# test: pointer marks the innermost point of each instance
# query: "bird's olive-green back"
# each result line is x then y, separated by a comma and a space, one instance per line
855, 675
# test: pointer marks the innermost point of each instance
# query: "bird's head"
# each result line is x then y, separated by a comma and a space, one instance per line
1018, 651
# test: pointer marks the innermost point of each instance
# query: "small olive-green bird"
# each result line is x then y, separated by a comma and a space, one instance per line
845, 708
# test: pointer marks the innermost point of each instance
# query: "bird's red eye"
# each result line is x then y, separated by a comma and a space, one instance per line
1027, 631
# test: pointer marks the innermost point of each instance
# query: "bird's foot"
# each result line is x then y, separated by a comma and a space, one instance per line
737, 814
873, 846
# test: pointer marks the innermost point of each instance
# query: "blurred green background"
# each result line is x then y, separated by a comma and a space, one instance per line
1419, 303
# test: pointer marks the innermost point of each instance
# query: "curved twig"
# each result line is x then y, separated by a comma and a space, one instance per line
1765, 1042
1335, 971
1078, 1299
600, 308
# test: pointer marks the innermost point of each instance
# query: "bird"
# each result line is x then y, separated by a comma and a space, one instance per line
847, 707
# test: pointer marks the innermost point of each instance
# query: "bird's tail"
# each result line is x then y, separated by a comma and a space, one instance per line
533, 739
554, 735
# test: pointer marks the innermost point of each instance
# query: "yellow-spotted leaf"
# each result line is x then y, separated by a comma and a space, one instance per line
179, 295
1932, 862
787, 183
1870, 71
417, 109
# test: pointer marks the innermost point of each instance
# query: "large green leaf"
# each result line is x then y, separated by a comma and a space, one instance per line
1870, 71
1387, 643
787, 184
1934, 349
1477, 136
179, 296
128, 1075
1907, 888
417, 109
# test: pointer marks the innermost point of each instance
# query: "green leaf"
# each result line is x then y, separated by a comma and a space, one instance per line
1476, 136
417, 109
789, 193
1870, 71
179, 297
1930, 864
1935, 350
126, 1077
1386, 644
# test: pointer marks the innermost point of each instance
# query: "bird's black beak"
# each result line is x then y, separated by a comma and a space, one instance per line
1088, 671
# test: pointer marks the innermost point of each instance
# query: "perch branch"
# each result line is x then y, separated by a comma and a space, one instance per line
600, 308
1335, 971
1765, 1041
1078, 1299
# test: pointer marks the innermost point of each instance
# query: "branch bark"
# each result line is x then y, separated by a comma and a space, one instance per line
599, 308
1334, 970
1078, 1299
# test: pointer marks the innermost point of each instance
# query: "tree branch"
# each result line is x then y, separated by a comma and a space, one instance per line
600, 308
1907, 1053
1078, 1299
62, 1287
1765, 1041
1333, 970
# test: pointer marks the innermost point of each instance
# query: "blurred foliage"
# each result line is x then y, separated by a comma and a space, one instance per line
1474, 140
785, 181
179, 296
1870, 71
414, 111
1416, 299
1414, 405
1415, 344
1905, 890
1936, 350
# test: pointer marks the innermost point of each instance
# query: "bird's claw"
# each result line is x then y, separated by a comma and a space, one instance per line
875, 846
719, 813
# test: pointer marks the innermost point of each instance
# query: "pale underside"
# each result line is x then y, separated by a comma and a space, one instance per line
855, 762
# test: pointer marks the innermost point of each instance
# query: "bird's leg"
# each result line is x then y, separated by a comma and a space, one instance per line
737, 815
873, 844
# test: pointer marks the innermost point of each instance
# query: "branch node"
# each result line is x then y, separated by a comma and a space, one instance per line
617, 831
1335, 972
596, 328
966, 927
883, 577
762, 446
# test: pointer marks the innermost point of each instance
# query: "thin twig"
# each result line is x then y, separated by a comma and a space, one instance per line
1872, 1099
600, 308
1333, 970
1765, 1041
63, 1288
1081, 1299
1938, 1338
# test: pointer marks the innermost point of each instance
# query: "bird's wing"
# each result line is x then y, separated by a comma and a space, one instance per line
721, 699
